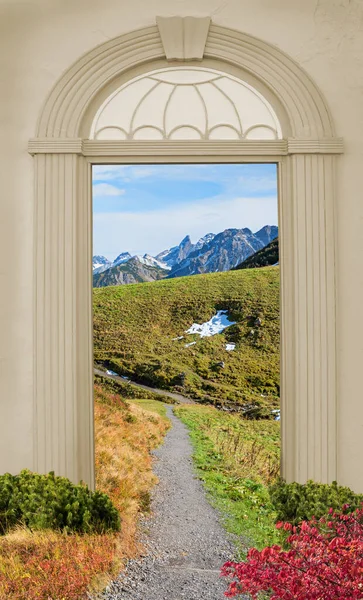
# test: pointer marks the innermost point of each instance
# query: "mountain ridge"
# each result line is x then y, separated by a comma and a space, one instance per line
211, 253
132, 271
266, 257
225, 251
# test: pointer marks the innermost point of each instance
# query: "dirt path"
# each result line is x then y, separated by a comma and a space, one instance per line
165, 393
186, 542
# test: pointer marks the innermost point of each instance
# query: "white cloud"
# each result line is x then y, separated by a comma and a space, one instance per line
247, 182
106, 189
142, 172
108, 172
155, 231
256, 184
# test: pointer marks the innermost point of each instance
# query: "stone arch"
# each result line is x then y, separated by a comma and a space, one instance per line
67, 103
63, 370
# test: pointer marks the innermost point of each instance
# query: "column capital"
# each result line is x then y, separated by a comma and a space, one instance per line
315, 146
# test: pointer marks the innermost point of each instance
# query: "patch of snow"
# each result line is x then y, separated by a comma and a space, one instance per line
190, 344
204, 241
215, 325
100, 264
177, 338
277, 414
150, 261
112, 373
230, 347
121, 258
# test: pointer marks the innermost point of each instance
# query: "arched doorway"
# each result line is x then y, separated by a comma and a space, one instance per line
70, 139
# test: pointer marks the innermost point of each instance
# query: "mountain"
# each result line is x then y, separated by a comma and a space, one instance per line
150, 261
267, 234
268, 256
121, 258
100, 263
176, 254
132, 271
203, 241
140, 331
224, 251
211, 253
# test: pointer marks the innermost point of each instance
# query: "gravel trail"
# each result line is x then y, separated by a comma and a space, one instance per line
186, 544
177, 397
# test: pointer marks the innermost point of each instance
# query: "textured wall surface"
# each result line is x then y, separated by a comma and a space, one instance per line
40, 39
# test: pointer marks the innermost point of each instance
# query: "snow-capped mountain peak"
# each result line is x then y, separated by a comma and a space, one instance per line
150, 261
204, 240
121, 258
100, 263
213, 252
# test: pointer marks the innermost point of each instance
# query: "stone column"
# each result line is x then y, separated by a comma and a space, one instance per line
63, 407
308, 300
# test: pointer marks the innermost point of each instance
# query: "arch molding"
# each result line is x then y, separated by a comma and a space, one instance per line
307, 159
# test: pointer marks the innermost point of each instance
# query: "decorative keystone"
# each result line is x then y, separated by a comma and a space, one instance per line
183, 38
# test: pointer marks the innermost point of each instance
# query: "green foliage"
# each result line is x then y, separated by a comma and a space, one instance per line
50, 502
135, 327
233, 458
296, 502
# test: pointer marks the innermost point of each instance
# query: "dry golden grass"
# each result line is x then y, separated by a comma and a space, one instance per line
48, 565
125, 434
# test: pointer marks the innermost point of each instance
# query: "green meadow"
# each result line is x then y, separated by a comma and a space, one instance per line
139, 332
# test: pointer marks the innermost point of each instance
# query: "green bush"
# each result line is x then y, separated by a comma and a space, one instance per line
296, 502
49, 502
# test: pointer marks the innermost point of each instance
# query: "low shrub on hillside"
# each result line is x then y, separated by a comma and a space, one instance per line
295, 502
50, 502
56, 565
324, 561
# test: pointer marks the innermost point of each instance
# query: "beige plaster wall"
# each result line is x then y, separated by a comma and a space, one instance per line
39, 39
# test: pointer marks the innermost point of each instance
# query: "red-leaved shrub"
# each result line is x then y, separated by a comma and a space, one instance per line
324, 561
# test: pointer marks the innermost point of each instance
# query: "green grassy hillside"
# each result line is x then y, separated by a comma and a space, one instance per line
134, 327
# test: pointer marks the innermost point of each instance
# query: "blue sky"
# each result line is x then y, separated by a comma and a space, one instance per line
148, 208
